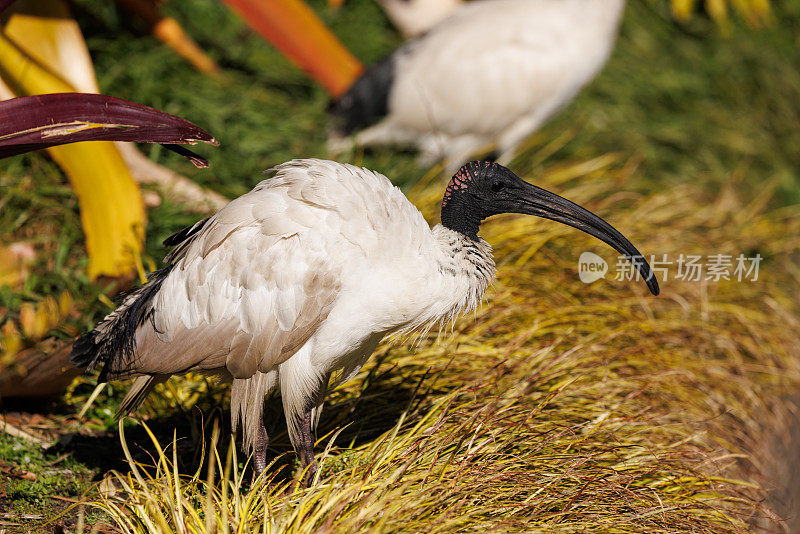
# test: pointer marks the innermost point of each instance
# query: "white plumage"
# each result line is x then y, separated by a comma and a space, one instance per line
304, 266
485, 77
415, 17
302, 277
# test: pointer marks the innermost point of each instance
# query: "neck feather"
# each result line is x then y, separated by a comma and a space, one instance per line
468, 263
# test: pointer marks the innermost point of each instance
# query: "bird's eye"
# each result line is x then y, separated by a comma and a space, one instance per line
497, 186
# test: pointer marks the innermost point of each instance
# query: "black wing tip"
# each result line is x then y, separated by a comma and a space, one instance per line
184, 233
87, 354
84, 350
367, 99
113, 347
175, 238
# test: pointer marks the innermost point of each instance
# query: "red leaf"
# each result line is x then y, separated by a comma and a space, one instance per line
41, 121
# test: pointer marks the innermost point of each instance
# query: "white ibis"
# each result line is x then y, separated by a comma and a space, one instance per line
304, 276
415, 17
488, 75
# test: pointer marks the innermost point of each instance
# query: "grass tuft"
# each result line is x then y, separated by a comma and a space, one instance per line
561, 407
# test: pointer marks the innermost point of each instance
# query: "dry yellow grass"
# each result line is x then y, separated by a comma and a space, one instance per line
560, 407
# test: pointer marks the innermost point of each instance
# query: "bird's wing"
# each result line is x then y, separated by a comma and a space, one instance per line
492, 61
182, 239
247, 290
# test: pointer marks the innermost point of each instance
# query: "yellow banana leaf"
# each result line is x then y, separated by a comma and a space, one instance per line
43, 51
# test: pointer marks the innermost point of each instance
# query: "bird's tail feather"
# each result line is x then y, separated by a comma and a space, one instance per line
138, 392
111, 343
367, 100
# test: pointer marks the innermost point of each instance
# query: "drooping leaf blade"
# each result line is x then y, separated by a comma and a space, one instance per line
42, 51
113, 215
42, 121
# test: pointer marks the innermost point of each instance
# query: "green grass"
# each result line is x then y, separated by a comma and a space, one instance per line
629, 408
31, 476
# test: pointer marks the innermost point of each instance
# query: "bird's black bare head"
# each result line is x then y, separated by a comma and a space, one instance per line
470, 195
481, 189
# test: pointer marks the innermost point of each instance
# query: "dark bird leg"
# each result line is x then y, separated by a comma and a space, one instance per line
260, 451
306, 446
308, 427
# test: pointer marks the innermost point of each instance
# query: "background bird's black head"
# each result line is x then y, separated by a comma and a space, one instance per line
481, 189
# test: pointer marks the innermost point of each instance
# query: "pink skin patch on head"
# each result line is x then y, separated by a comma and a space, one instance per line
459, 181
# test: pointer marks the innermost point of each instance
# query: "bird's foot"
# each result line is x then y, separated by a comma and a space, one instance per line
309, 472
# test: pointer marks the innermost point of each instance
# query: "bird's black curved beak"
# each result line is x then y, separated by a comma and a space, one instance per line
532, 200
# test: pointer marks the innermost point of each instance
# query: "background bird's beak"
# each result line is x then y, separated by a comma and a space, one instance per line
534, 200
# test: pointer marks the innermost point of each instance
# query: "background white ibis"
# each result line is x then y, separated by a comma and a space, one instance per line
415, 17
304, 276
485, 77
